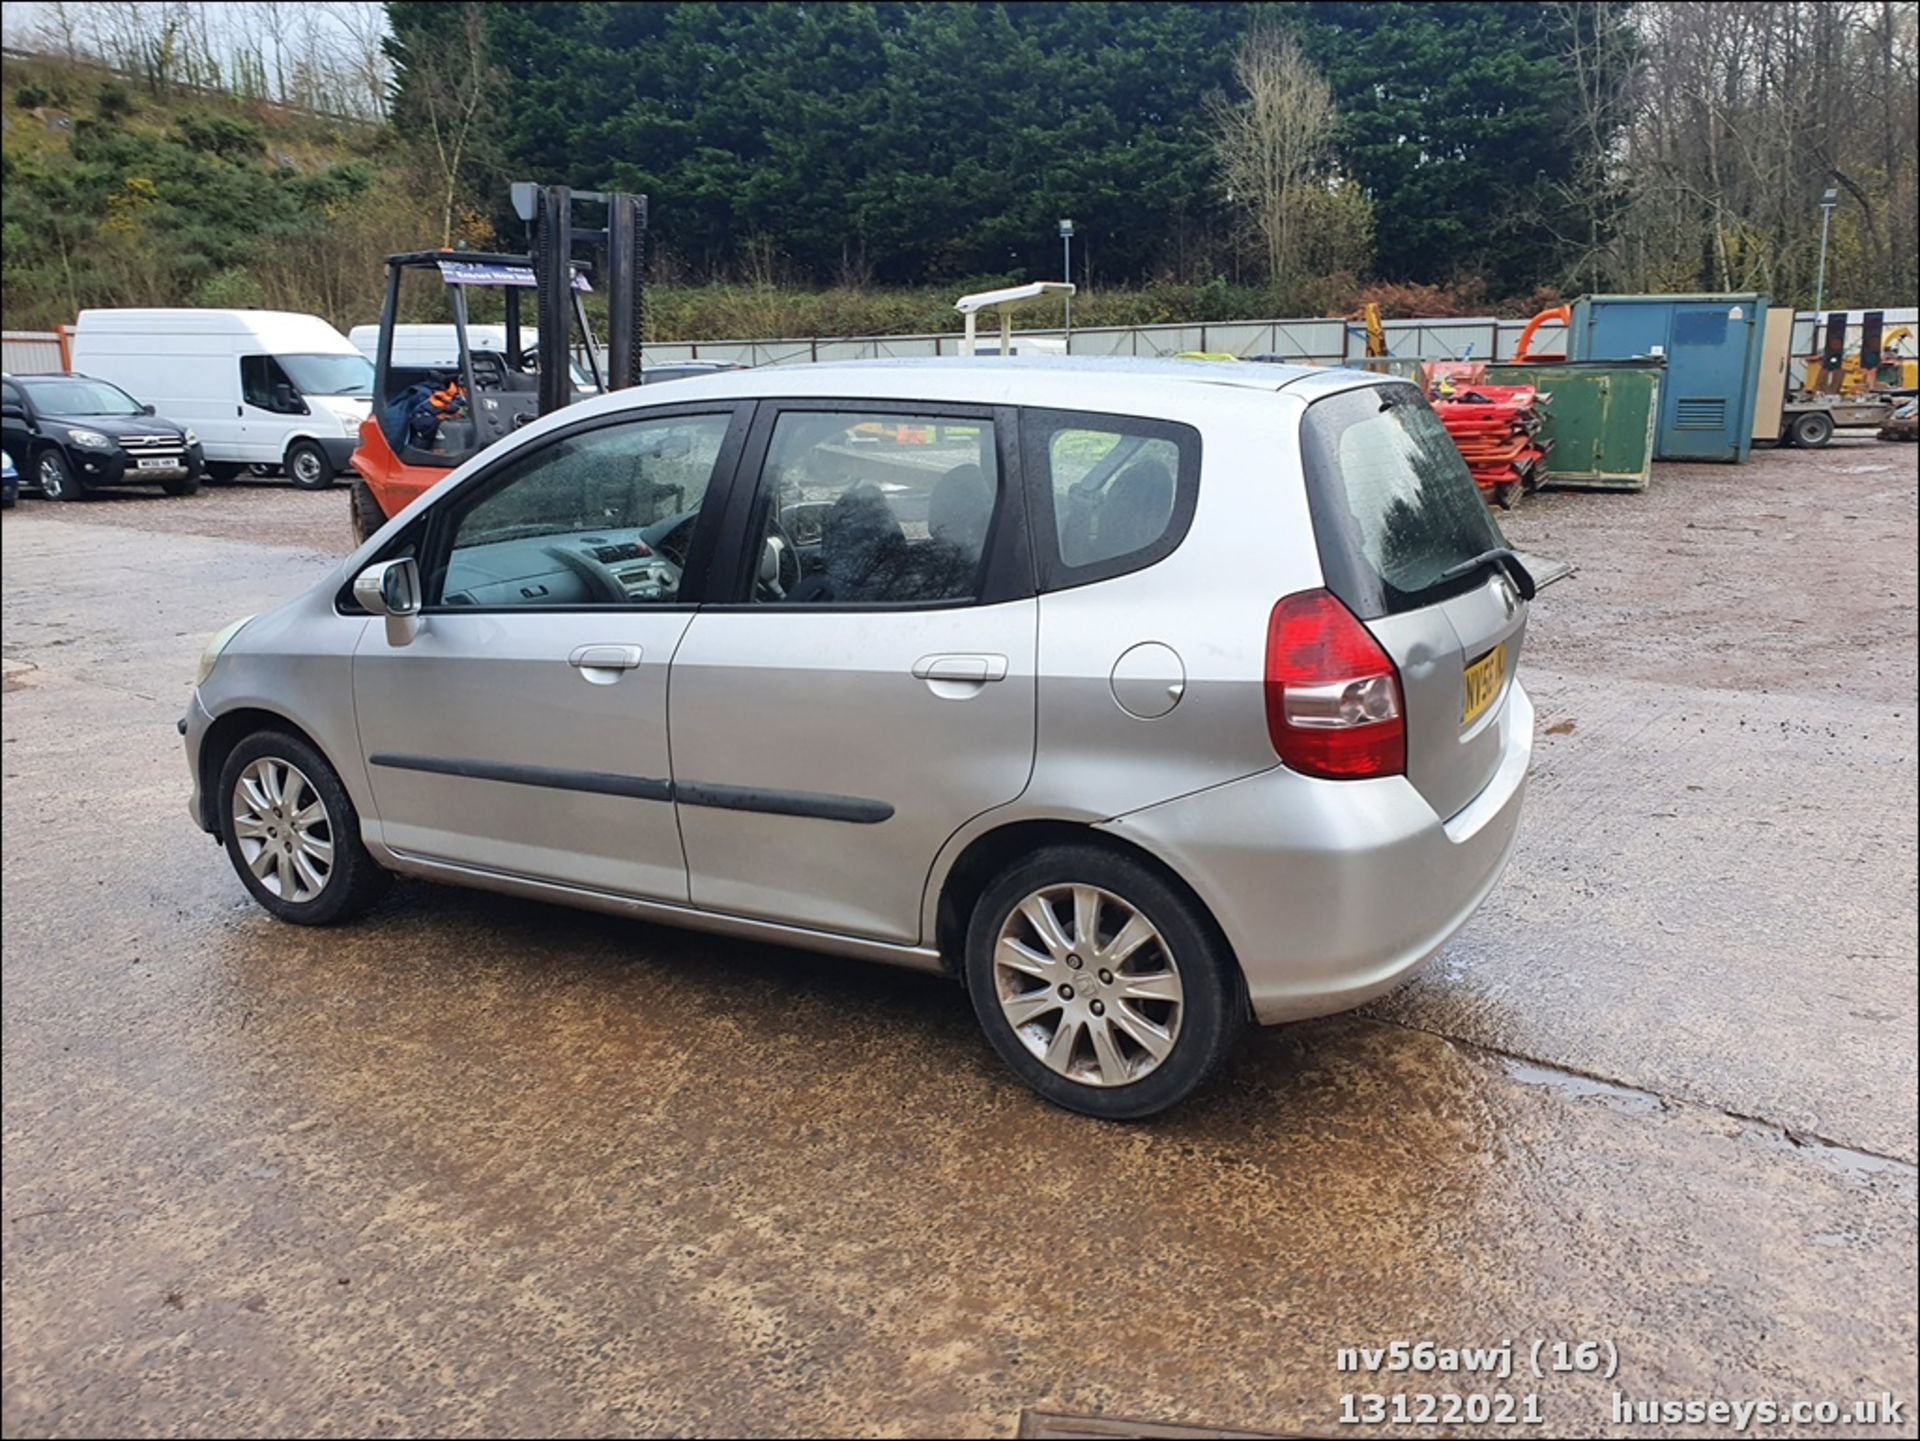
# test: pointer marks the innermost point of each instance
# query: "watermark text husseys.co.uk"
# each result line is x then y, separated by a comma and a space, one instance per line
1881, 1410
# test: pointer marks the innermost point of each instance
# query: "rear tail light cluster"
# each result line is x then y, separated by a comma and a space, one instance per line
1334, 706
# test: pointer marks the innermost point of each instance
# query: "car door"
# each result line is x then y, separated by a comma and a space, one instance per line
523, 730
869, 686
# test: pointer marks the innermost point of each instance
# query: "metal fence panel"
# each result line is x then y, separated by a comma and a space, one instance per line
1324, 340
1115, 341
1321, 340
1547, 340
1437, 339
31, 352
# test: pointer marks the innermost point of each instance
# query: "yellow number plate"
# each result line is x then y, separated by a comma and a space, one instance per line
1483, 681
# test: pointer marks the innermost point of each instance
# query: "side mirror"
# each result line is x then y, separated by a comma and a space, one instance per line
392, 589
146, 410
285, 400
14, 412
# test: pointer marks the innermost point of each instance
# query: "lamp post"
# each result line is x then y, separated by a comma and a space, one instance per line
1066, 274
1827, 201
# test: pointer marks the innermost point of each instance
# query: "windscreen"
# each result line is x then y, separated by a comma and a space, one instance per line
1394, 507
81, 397
329, 374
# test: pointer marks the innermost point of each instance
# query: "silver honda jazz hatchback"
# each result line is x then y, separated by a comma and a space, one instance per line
1143, 698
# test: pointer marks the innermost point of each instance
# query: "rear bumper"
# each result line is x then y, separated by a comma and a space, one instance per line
1334, 892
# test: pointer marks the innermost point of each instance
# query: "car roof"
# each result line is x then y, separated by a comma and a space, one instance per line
1069, 381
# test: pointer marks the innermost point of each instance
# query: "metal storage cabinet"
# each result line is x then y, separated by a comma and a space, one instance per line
1712, 346
1599, 419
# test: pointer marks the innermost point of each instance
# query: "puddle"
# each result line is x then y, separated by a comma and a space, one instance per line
1573, 1087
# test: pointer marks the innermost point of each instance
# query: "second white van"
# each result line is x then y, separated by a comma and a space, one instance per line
261, 387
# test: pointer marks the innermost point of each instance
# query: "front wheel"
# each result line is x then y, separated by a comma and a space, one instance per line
186, 485
292, 833
1101, 984
219, 472
367, 515
56, 477
307, 466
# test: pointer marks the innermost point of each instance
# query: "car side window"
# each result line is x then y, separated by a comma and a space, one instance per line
1121, 491
260, 380
868, 508
604, 517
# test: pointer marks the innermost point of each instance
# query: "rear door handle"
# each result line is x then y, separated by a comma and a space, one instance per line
970, 668
605, 657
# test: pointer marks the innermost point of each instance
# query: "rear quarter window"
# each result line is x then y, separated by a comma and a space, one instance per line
1394, 506
1112, 494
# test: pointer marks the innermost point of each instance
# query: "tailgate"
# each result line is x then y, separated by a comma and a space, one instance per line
1395, 511
1456, 661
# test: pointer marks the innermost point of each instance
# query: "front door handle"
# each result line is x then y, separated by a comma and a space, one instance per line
973, 669
605, 657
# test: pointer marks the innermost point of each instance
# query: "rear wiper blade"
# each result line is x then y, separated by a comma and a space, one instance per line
1500, 555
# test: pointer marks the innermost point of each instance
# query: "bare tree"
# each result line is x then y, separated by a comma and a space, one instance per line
1737, 117
364, 56
1273, 146
451, 89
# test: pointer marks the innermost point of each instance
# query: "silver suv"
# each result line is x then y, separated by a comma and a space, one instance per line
1144, 698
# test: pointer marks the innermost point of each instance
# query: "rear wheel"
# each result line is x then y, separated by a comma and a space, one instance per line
367, 515
56, 478
186, 485
1812, 429
292, 833
1100, 983
307, 466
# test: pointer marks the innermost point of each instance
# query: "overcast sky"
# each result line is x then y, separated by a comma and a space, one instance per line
242, 26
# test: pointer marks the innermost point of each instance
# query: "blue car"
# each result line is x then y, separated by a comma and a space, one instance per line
9, 482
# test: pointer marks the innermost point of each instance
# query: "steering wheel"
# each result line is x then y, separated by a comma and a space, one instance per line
598, 575
779, 570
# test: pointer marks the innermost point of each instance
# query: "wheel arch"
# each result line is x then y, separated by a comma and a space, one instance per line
227, 731
988, 854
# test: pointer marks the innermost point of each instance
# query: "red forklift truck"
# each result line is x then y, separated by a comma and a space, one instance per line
426, 419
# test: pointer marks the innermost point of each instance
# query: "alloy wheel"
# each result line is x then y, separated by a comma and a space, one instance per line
283, 830
1088, 984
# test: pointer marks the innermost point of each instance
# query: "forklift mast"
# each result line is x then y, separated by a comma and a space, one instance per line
551, 213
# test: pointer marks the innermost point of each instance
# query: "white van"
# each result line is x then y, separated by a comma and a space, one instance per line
262, 387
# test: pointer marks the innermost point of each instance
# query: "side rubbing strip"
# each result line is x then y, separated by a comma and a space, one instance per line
785, 803
643, 788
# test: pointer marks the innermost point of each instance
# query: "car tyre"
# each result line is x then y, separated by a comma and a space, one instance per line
1812, 429
292, 833
1147, 1028
222, 472
367, 515
55, 477
307, 466
186, 485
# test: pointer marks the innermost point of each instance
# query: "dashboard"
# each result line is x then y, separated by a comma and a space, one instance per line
601, 567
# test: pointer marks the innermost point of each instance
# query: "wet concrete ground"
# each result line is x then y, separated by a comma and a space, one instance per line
478, 1165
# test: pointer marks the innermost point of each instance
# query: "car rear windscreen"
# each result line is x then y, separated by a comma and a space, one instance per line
1394, 507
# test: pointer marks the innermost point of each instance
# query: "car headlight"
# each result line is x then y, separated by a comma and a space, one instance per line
92, 439
189, 438
214, 647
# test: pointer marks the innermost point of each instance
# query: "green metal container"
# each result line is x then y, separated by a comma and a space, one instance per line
1600, 419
